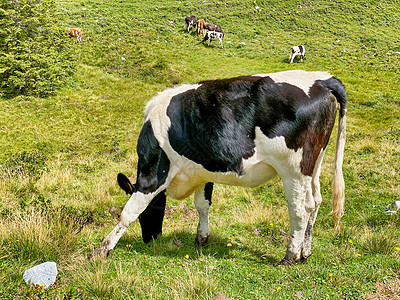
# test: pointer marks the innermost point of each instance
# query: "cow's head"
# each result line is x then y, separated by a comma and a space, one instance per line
152, 217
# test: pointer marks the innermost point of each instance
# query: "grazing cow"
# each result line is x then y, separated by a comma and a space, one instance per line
75, 32
239, 131
190, 22
199, 25
297, 51
213, 36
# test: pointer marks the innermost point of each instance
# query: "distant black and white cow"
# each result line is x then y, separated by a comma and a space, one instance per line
297, 51
240, 131
214, 36
190, 22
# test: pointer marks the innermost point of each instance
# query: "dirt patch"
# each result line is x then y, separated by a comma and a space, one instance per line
182, 210
389, 290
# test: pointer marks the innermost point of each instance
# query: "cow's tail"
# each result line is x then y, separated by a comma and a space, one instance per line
205, 38
338, 90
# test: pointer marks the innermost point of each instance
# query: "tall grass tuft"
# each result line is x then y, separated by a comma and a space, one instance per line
192, 285
39, 235
380, 242
114, 280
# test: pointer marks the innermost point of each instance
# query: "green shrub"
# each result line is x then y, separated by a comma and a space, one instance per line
35, 55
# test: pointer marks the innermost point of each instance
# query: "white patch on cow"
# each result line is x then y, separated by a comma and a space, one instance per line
302, 79
136, 204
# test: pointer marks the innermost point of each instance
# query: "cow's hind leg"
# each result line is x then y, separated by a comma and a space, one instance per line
202, 201
298, 192
317, 199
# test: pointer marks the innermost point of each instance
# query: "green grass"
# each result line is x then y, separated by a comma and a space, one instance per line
60, 155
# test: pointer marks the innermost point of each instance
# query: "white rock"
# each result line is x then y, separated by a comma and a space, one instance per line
44, 274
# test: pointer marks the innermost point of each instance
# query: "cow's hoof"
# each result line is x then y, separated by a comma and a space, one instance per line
303, 259
201, 240
99, 253
285, 262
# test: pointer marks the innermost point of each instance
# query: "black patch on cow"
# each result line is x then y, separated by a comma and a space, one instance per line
214, 124
208, 191
153, 162
151, 219
152, 172
301, 48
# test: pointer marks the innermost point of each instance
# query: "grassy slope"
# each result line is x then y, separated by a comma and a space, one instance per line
77, 141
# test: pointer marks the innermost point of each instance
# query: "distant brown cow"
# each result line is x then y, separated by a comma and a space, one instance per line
199, 25
75, 32
211, 27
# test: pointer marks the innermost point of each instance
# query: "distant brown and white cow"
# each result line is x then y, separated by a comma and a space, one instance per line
214, 36
297, 51
190, 22
211, 27
239, 131
76, 33
199, 25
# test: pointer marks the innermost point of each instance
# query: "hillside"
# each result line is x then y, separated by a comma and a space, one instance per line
60, 155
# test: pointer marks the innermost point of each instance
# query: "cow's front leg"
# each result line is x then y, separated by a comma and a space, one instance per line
300, 202
133, 208
202, 201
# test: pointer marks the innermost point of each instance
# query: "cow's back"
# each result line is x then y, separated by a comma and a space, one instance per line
214, 123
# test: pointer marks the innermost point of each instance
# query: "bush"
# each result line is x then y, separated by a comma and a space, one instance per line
35, 55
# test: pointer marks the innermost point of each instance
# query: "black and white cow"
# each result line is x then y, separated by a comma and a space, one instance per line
214, 36
240, 131
297, 51
190, 22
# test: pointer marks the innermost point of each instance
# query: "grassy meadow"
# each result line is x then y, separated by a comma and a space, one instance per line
60, 156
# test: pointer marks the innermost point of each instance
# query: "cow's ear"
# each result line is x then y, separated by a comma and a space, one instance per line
125, 184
